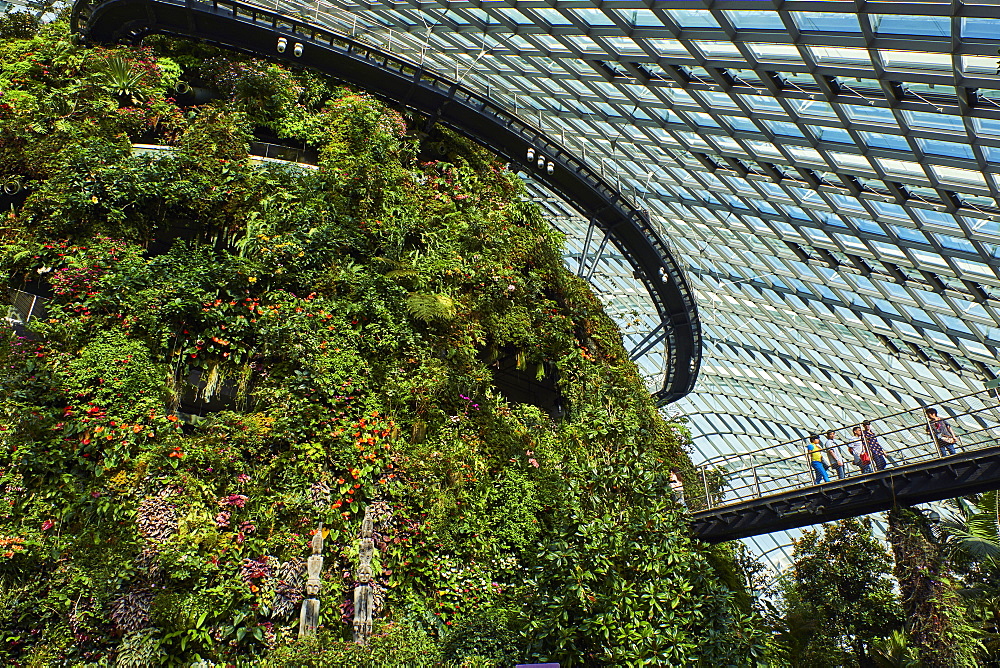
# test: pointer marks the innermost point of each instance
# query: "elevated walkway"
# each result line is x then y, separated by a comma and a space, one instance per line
774, 488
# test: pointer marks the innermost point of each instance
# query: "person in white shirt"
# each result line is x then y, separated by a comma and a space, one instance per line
677, 485
857, 449
834, 453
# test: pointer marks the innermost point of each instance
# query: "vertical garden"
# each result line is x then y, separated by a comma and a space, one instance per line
233, 352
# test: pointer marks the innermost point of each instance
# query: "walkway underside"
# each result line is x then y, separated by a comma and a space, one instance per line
934, 480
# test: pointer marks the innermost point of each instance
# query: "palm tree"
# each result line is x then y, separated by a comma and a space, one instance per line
973, 531
895, 652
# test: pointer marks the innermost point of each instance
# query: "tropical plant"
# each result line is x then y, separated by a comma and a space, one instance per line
839, 597
895, 652
121, 78
937, 622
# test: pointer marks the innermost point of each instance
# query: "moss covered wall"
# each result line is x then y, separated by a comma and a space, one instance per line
335, 328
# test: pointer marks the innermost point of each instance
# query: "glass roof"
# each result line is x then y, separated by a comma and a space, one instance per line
829, 179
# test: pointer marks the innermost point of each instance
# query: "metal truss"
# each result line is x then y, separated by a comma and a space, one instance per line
829, 179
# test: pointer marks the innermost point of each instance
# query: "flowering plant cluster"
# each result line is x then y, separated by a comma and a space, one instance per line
233, 354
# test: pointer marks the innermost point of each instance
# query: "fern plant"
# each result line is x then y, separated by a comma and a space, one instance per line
430, 307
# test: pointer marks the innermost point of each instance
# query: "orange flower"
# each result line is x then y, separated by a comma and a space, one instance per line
172, 418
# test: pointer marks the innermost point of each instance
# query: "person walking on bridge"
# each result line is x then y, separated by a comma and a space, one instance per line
943, 434
677, 486
816, 459
857, 449
870, 440
835, 454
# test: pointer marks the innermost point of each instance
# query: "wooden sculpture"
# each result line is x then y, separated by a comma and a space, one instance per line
309, 617
363, 594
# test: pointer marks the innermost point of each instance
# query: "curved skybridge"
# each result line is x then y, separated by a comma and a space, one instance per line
774, 487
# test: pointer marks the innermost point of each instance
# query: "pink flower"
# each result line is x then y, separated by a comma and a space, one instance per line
222, 519
243, 477
235, 500
48, 524
533, 462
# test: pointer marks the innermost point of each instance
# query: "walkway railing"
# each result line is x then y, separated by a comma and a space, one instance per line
904, 437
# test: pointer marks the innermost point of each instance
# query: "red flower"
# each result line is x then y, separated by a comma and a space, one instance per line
48, 524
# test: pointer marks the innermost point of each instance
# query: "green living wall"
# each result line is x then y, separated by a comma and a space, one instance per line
337, 326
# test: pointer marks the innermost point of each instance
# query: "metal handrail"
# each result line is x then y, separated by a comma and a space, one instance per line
783, 472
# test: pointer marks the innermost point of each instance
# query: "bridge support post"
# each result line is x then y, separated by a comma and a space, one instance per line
756, 481
704, 481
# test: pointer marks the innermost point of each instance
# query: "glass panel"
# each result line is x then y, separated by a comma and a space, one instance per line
945, 148
702, 119
593, 17
740, 123
718, 49
986, 126
693, 18
827, 22
902, 167
774, 52
961, 176
885, 140
668, 47
934, 26
869, 113
981, 28
916, 60
761, 103
716, 99
789, 129
850, 160
813, 108
981, 65
831, 134
640, 18
760, 20
840, 54
924, 119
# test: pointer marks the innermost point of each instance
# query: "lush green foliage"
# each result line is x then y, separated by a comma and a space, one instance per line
838, 597
337, 328
935, 612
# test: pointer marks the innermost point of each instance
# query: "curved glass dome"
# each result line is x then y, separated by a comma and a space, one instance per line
828, 178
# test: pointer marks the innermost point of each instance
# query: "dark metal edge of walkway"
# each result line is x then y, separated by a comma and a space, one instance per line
934, 480
406, 84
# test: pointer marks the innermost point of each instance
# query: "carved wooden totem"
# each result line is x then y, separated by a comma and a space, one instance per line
309, 617
363, 595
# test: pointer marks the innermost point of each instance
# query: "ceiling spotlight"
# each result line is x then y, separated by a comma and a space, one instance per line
541, 161
282, 44
531, 154
297, 51
549, 168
